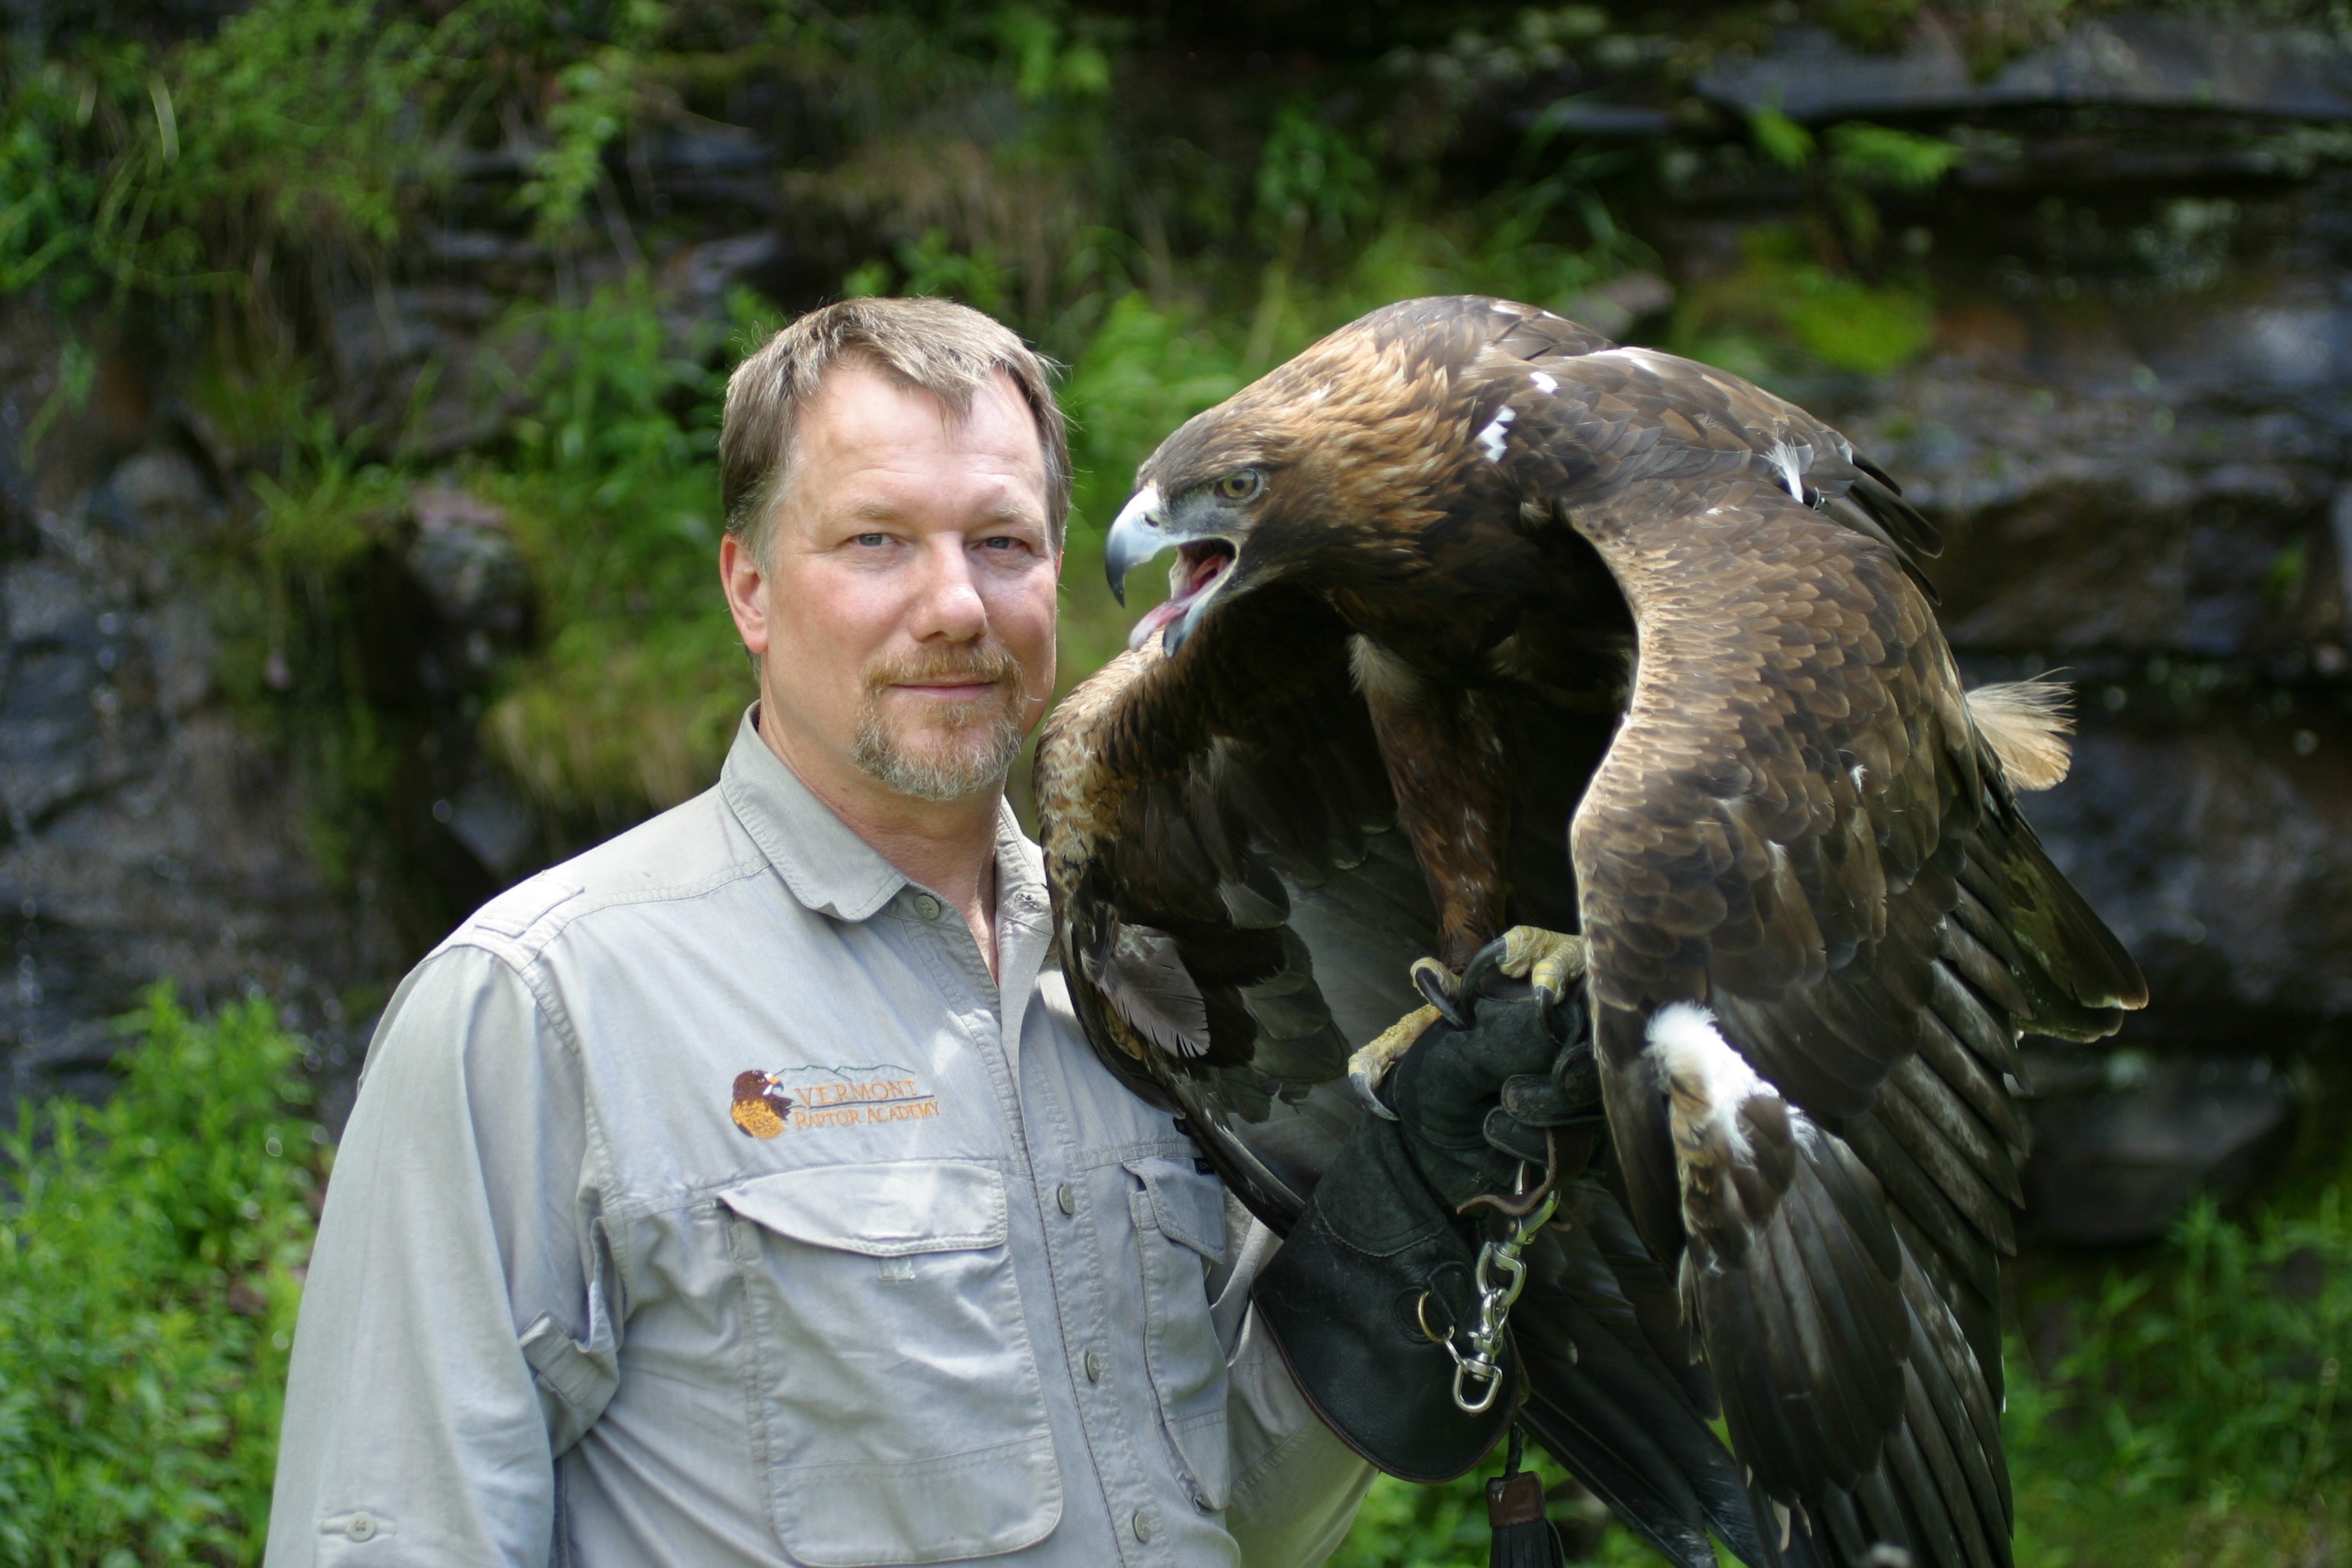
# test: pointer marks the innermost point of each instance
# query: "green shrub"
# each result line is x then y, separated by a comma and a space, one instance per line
1782, 312
2207, 1387
612, 494
150, 1251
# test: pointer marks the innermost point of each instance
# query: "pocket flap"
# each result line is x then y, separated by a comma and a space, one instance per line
883, 1211
1190, 1206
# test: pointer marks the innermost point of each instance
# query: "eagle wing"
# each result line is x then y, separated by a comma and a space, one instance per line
1816, 924
1236, 909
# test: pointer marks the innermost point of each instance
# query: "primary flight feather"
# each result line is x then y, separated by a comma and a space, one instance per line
1478, 622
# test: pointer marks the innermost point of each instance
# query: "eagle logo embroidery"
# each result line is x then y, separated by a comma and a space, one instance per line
759, 1111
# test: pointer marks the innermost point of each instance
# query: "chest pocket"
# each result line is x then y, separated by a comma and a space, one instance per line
894, 1386
1180, 1222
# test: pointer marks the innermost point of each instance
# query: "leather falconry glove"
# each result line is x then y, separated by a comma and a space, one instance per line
1380, 1271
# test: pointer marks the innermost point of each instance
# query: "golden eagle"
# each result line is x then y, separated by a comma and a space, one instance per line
1481, 622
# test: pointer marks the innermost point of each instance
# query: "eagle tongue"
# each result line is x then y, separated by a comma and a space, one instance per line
1199, 568
1159, 615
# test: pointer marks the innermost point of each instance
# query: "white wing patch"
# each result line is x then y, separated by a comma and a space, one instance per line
1491, 439
1709, 1082
1544, 384
1791, 461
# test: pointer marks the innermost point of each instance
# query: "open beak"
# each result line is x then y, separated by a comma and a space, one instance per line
1142, 531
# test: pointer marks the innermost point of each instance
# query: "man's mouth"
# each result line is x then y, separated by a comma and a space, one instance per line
985, 679
1195, 573
948, 690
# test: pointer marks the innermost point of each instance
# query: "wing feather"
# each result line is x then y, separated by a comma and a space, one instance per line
1800, 826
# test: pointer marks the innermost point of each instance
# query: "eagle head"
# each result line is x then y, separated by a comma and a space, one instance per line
1323, 472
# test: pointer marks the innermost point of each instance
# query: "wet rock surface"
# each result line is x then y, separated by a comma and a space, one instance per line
149, 834
2124, 1141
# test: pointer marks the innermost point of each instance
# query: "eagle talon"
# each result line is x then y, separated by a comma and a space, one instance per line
1550, 961
1445, 991
1369, 1066
1487, 961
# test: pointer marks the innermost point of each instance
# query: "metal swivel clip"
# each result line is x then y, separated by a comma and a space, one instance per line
1478, 1377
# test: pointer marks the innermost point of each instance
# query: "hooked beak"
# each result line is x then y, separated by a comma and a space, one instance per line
1136, 535
1141, 531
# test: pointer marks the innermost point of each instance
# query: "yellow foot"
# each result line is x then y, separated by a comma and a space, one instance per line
1551, 961
1368, 1067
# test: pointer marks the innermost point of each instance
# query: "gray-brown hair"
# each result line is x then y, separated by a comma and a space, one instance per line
948, 350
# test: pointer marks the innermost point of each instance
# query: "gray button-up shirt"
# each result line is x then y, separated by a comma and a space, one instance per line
707, 1202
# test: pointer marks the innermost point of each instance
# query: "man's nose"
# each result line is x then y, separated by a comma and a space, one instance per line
950, 605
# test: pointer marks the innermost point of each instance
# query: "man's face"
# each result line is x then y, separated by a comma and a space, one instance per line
904, 622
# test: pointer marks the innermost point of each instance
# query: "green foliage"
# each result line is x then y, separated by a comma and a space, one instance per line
1311, 171
932, 267
1783, 312
592, 106
1049, 63
314, 514
148, 1286
2221, 1375
1143, 373
1403, 1525
1897, 160
289, 133
1861, 160
1781, 139
612, 498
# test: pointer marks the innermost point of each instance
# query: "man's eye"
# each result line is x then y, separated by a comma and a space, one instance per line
872, 541
1001, 542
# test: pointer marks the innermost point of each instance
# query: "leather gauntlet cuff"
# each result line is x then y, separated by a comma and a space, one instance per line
1373, 1271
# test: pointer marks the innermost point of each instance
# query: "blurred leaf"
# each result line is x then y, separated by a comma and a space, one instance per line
1901, 160
1310, 172
1779, 138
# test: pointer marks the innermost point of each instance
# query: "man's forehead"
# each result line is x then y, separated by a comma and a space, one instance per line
870, 446
860, 403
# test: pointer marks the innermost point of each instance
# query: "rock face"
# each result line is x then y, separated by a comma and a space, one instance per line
2134, 432
148, 834
2131, 425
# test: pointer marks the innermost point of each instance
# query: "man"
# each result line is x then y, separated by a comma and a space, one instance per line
742, 1191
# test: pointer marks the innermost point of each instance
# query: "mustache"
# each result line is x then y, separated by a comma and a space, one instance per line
984, 666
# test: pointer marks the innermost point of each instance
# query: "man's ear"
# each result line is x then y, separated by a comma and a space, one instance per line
745, 585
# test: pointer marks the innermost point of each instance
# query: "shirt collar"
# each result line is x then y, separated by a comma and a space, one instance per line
826, 864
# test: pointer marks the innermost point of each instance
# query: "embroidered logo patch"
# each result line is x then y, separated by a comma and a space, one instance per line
805, 1100
759, 1110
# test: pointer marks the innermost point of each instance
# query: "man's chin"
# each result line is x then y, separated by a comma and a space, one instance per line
939, 765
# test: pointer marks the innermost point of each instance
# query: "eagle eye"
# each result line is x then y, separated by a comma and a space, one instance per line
1242, 484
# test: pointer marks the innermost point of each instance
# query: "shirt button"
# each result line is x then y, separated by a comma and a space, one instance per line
1066, 1198
1142, 1525
1094, 1366
360, 1527
926, 906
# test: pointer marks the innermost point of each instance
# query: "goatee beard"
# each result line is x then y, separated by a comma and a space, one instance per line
975, 742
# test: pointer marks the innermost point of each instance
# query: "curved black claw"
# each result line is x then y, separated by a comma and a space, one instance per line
1447, 994
1483, 963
